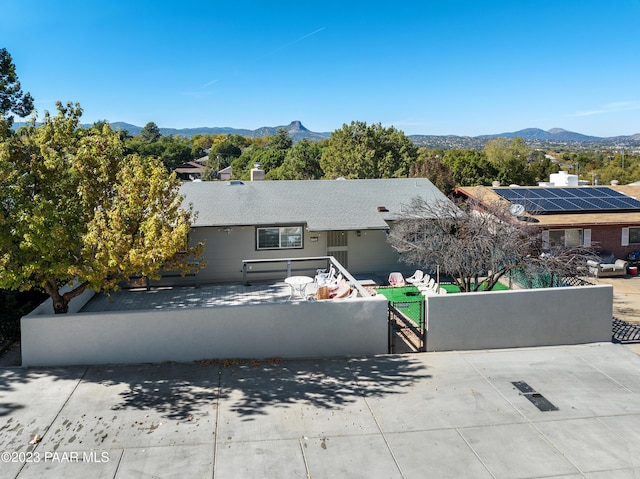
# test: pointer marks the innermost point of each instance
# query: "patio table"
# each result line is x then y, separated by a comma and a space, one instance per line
298, 285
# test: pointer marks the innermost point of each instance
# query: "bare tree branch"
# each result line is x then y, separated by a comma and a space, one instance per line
467, 241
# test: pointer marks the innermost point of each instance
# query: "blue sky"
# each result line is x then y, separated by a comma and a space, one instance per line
425, 67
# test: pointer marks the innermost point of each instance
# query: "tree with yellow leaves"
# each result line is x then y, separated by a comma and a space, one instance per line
76, 211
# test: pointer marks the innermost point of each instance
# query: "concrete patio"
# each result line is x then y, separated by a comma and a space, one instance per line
439, 415
205, 296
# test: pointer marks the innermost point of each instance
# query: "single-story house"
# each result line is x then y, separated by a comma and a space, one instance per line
258, 220
191, 170
606, 218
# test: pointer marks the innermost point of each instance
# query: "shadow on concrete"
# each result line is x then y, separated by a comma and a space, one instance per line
248, 387
323, 384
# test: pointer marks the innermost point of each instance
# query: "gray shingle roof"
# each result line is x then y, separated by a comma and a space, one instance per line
322, 205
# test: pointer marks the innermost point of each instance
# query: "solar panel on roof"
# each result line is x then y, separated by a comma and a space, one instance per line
507, 193
627, 202
592, 194
581, 204
553, 194
569, 199
563, 205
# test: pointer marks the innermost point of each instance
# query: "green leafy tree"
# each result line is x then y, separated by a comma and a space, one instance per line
469, 167
222, 154
202, 142
175, 151
269, 159
280, 141
76, 212
146, 150
226, 149
12, 100
542, 168
302, 162
242, 165
509, 158
150, 133
361, 151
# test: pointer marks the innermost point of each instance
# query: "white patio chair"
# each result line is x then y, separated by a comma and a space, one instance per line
396, 279
322, 279
416, 277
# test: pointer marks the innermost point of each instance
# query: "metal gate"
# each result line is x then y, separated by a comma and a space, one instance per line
405, 335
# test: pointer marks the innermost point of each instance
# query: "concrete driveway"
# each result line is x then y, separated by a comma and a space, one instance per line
456, 414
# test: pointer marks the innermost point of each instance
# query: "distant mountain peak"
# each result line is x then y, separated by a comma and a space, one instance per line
555, 134
296, 126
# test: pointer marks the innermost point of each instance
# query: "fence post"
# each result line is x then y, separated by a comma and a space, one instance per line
389, 330
423, 325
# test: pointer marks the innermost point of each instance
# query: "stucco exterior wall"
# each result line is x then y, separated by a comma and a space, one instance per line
521, 318
349, 327
371, 253
224, 252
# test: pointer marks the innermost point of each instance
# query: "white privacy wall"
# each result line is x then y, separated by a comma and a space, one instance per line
519, 318
350, 327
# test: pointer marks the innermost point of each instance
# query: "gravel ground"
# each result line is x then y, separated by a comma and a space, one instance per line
626, 297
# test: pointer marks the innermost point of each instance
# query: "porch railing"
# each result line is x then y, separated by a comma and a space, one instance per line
287, 266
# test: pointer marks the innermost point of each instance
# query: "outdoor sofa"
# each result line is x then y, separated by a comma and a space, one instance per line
606, 270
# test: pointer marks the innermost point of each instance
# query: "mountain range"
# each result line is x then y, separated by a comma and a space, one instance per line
532, 136
298, 131
295, 129
556, 134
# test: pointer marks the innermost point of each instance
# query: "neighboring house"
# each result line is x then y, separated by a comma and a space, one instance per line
347, 219
189, 171
605, 218
225, 174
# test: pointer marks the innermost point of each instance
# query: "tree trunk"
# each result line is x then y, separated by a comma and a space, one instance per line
61, 301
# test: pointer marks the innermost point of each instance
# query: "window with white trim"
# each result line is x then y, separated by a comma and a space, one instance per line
279, 237
634, 236
567, 238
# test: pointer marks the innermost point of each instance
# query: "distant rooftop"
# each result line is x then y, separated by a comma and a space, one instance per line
560, 217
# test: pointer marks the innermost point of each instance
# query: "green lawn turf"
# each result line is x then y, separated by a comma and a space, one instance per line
400, 293
407, 299
452, 288
409, 296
